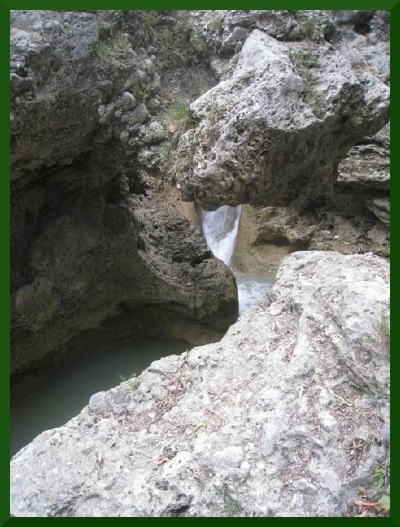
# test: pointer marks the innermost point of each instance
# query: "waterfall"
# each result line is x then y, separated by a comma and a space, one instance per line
220, 229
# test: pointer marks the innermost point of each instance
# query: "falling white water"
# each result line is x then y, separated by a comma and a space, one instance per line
220, 229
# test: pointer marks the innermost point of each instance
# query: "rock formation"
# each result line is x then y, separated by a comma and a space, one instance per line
95, 253
122, 124
274, 130
287, 416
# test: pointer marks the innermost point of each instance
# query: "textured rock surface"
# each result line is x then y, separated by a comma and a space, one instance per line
275, 129
287, 416
353, 218
367, 165
94, 253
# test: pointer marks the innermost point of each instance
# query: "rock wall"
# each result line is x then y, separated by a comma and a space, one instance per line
95, 251
288, 415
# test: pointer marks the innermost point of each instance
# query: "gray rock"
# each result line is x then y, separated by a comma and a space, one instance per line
154, 133
100, 403
367, 165
263, 422
139, 115
381, 208
128, 101
284, 131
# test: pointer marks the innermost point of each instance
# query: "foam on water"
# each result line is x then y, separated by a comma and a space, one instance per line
220, 229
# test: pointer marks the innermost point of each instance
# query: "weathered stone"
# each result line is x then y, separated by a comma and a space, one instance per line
367, 165
154, 133
81, 262
381, 208
269, 134
100, 403
263, 423
139, 115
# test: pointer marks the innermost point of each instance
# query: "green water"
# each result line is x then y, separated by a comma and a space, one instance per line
67, 390
64, 393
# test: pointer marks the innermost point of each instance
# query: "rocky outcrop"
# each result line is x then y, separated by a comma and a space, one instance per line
274, 130
287, 416
99, 103
353, 218
95, 251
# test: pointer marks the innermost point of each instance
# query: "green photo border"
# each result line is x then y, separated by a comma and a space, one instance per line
5, 7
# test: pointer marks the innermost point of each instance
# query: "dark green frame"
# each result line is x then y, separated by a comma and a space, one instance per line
5, 7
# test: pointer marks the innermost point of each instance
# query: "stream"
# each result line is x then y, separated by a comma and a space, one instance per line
64, 393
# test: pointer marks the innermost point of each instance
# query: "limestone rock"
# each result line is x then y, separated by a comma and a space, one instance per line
274, 132
367, 164
287, 416
381, 208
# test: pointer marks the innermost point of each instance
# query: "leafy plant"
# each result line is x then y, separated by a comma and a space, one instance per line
309, 24
198, 42
179, 110
382, 333
380, 478
232, 506
304, 63
315, 100
304, 59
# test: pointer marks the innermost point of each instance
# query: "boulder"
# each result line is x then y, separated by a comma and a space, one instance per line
287, 416
275, 130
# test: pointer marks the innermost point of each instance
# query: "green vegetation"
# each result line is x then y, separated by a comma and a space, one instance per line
150, 19
114, 46
198, 42
382, 333
232, 506
305, 62
140, 90
179, 110
304, 59
309, 25
217, 24
213, 115
316, 100
380, 478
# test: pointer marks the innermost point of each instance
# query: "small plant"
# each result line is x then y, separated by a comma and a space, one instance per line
113, 47
309, 24
198, 42
232, 506
140, 90
213, 115
179, 110
304, 63
315, 100
380, 478
303, 59
217, 24
150, 19
382, 333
